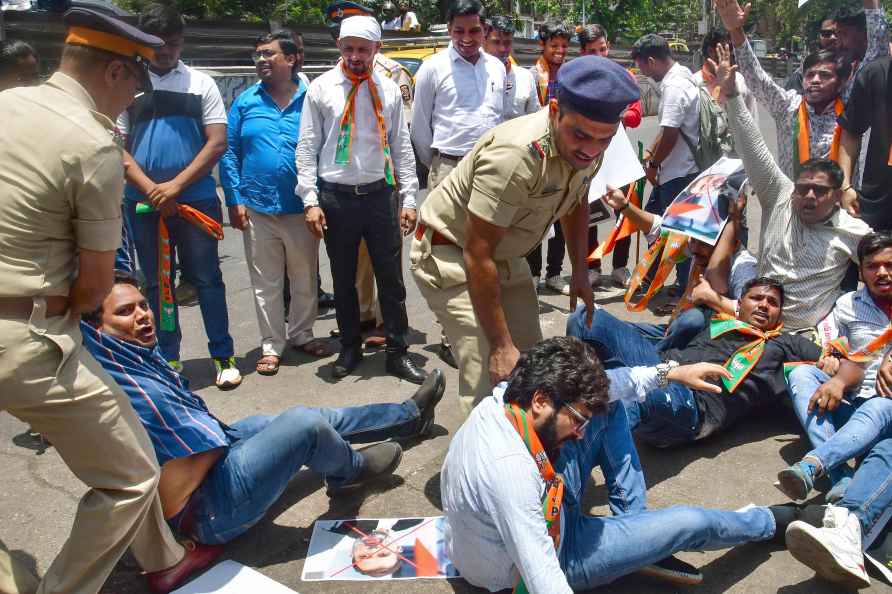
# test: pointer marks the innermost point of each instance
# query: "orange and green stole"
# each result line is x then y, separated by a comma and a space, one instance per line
802, 146
166, 317
344, 149
744, 359
543, 78
670, 248
554, 484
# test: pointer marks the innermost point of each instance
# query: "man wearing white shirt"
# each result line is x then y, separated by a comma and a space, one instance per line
507, 517
459, 94
520, 87
354, 148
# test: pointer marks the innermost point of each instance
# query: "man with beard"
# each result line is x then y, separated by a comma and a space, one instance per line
476, 227
513, 480
354, 149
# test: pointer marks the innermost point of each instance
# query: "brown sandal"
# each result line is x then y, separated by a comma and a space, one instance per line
316, 348
268, 365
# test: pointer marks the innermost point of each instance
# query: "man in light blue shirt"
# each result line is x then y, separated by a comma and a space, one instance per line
258, 174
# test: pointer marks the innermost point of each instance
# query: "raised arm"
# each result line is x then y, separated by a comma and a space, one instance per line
877, 32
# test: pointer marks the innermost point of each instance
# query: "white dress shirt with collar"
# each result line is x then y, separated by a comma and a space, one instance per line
521, 97
319, 126
456, 102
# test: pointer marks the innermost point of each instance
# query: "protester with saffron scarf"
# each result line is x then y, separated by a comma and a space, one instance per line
513, 480
354, 148
751, 346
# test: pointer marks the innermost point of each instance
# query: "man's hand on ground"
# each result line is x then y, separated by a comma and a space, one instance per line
696, 376
238, 217
408, 218
502, 362
315, 221
884, 377
827, 397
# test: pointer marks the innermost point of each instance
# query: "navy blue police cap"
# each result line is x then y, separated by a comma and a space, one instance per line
338, 11
93, 29
596, 88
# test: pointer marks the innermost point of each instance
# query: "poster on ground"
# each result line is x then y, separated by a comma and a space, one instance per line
230, 577
701, 209
378, 549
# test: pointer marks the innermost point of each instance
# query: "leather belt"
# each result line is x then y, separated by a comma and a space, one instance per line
436, 238
448, 157
359, 190
21, 307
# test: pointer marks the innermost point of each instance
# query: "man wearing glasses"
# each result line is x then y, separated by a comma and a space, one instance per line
827, 41
513, 481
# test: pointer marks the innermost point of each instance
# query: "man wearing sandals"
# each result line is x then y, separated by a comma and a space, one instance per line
258, 175
218, 480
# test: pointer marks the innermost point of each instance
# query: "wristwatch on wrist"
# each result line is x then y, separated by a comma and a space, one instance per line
663, 370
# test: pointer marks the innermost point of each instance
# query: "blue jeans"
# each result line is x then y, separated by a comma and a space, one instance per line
254, 471
668, 416
607, 443
848, 432
598, 550
869, 495
680, 332
197, 254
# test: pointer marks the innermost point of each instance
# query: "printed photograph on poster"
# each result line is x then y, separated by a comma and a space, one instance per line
378, 549
701, 209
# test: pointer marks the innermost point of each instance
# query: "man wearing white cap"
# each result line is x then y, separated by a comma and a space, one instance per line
354, 148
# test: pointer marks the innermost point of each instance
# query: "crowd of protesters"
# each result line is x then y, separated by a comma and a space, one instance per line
106, 192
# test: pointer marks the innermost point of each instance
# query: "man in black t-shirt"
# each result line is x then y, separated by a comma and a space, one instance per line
869, 106
751, 346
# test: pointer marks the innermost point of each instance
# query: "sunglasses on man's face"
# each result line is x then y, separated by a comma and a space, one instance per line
828, 33
819, 190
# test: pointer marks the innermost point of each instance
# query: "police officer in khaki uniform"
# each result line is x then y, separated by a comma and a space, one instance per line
477, 225
60, 224
369, 312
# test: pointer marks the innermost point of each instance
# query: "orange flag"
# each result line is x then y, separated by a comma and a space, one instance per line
623, 228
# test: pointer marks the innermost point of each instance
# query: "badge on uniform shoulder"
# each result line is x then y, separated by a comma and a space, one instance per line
407, 94
537, 150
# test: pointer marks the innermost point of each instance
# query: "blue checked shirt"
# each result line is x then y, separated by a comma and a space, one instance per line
177, 421
858, 318
258, 169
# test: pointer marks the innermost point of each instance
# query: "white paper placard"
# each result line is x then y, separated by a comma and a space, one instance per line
230, 577
620, 167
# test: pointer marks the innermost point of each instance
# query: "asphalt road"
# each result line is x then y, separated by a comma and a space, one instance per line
38, 494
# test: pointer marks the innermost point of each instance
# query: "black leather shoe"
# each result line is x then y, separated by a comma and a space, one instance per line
326, 300
347, 361
403, 367
378, 460
426, 399
447, 356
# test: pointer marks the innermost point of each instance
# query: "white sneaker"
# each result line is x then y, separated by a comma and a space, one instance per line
621, 277
594, 277
228, 376
558, 284
834, 551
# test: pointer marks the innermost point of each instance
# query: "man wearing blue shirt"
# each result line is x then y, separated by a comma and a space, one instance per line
258, 174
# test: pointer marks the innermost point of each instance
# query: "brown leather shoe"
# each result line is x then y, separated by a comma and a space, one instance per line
198, 557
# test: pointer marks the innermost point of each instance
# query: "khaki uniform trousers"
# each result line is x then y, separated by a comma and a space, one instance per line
274, 243
441, 277
52, 383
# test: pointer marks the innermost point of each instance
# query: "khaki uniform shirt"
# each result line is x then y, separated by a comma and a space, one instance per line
403, 79
513, 178
61, 182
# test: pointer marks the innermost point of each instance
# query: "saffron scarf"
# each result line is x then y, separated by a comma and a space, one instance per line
543, 79
554, 484
348, 121
167, 317
840, 347
802, 146
670, 248
746, 357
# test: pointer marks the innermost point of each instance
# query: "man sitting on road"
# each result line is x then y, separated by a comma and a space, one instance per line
218, 480
751, 347
513, 480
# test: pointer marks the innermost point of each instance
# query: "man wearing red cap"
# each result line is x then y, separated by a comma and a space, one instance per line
60, 224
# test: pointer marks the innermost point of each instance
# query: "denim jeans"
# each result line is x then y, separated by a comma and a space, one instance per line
680, 332
848, 432
869, 495
668, 416
607, 443
255, 470
197, 254
598, 550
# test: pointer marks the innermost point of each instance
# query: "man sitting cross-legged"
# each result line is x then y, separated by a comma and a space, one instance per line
218, 480
513, 480
826, 405
751, 346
